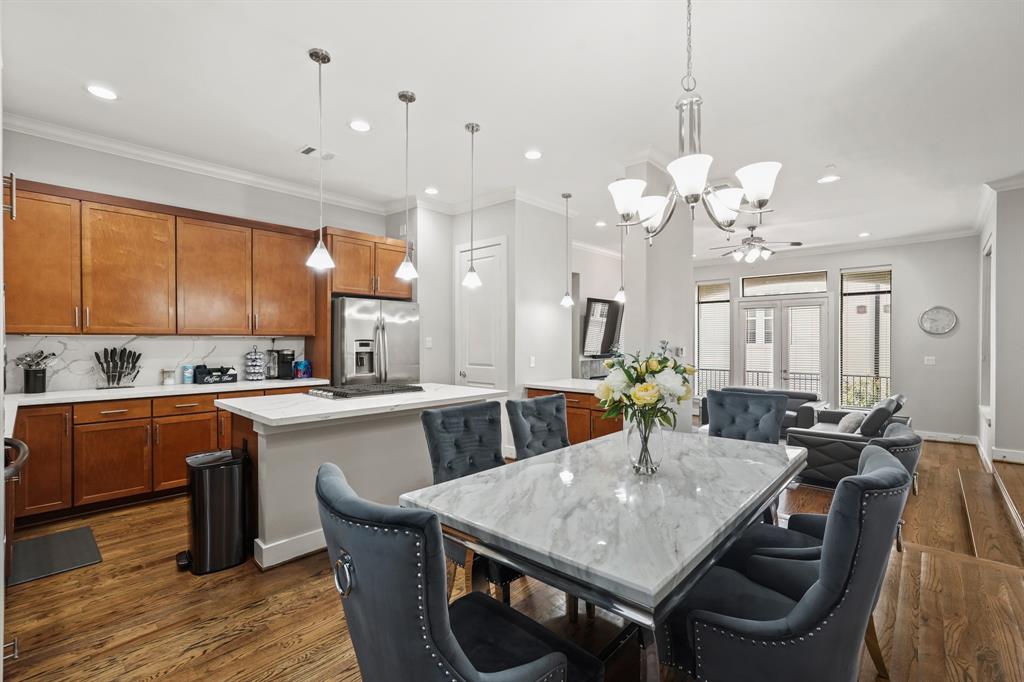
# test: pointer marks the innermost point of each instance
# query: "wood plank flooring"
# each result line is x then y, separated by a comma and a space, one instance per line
989, 520
942, 614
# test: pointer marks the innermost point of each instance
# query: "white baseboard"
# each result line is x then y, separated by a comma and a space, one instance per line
281, 551
948, 437
1007, 455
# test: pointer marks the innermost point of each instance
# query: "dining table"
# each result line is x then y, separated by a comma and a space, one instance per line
579, 519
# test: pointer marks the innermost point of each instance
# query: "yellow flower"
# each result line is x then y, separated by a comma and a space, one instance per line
687, 393
671, 363
690, 370
653, 365
603, 392
609, 363
645, 394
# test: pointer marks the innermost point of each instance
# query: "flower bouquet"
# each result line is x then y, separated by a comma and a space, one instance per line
643, 390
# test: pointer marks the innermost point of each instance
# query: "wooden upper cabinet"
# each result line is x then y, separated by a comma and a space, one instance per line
283, 287
127, 271
353, 266
387, 258
214, 273
43, 265
46, 477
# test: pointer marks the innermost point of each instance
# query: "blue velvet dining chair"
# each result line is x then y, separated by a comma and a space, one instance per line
746, 416
538, 424
463, 440
798, 612
388, 567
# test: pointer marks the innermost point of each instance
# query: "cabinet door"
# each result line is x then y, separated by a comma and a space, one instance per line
578, 421
214, 273
353, 266
387, 258
599, 426
127, 271
174, 439
112, 460
286, 391
282, 285
43, 266
46, 477
224, 430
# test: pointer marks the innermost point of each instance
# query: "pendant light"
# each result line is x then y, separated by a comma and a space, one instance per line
320, 259
567, 301
406, 270
620, 295
471, 280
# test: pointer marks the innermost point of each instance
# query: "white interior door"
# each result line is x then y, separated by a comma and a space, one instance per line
784, 345
481, 317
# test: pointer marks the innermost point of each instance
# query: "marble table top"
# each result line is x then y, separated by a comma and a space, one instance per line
583, 512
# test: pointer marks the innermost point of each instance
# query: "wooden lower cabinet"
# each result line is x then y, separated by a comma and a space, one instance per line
577, 419
583, 415
112, 460
45, 484
224, 430
599, 426
174, 439
286, 391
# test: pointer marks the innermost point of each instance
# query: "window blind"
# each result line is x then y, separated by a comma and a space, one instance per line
713, 345
792, 283
595, 330
865, 337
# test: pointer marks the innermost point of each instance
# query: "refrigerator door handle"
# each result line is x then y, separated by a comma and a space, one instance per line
378, 353
384, 354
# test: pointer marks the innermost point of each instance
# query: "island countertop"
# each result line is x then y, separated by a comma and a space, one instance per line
565, 385
287, 410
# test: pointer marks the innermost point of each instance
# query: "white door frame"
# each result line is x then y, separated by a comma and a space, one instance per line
457, 275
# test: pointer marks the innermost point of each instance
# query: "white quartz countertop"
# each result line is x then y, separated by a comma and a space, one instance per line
583, 512
86, 395
286, 410
567, 385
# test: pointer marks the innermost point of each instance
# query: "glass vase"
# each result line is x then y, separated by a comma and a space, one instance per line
645, 445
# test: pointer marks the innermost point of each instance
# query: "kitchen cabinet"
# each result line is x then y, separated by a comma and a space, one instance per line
286, 391
183, 404
112, 410
112, 460
43, 266
46, 477
214, 278
577, 419
353, 271
174, 439
128, 271
387, 258
584, 415
282, 286
223, 430
599, 426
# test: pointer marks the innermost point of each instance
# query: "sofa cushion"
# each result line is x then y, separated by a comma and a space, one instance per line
789, 419
850, 423
879, 416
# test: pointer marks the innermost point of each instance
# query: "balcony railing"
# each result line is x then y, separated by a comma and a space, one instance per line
805, 381
719, 378
859, 390
759, 378
711, 379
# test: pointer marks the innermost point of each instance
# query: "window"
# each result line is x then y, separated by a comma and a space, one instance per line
713, 352
865, 337
780, 285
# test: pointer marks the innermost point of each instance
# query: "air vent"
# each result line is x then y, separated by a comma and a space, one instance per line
310, 150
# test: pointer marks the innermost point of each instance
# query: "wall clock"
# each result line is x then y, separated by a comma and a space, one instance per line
937, 320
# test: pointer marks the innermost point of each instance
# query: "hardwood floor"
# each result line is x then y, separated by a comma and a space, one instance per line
942, 614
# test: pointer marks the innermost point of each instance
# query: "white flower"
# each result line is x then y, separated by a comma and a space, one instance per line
617, 382
670, 382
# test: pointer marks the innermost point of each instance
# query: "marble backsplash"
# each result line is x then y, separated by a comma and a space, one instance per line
75, 366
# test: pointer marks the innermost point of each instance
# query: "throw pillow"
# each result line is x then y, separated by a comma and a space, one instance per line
850, 423
879, 416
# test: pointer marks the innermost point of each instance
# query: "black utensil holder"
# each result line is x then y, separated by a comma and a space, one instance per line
35, 381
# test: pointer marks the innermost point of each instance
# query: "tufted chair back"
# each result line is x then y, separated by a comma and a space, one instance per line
902, 443
538, 425
463, 440
389, 568
746, 416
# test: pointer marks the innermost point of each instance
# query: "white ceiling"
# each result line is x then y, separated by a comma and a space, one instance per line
917, 103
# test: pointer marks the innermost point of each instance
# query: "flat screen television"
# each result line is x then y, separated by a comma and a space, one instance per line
602, 327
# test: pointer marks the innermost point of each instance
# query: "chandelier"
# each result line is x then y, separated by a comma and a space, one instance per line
723, 202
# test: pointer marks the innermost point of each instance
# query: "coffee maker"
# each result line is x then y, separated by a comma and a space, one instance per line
279, 363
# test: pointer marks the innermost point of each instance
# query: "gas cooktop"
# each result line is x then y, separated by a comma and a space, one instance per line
361, 390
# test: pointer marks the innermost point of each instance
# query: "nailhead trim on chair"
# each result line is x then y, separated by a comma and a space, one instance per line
702, 626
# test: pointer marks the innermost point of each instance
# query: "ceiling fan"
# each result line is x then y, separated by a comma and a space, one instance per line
752, 247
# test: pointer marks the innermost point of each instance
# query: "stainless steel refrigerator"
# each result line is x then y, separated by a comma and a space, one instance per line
374, 341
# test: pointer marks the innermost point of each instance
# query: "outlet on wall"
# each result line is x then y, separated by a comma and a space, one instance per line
428, 342
533, 361
929, 359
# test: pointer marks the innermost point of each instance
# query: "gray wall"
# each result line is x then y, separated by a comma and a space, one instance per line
943, 398
57, 163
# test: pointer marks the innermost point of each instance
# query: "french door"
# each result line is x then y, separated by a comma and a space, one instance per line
783, 344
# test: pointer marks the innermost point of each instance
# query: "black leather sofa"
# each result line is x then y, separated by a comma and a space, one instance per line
800, 406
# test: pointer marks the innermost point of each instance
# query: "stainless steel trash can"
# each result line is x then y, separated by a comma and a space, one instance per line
217, 486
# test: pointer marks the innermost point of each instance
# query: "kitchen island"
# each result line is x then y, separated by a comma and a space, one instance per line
377, 441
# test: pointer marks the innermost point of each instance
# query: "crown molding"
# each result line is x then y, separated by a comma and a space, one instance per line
651, 156
595, 249
1007, 183
57, 133
986, 204
847, 247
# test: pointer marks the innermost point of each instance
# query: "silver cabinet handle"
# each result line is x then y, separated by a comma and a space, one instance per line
113, 411
86, 317
256, 321
188, 405
77, 318
156, 434
12, 182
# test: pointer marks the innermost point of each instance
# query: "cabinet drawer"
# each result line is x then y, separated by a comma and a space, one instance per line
286, 391
183, 404
585, 400
239, 394
114, 410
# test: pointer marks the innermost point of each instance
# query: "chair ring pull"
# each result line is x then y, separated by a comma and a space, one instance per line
343, 564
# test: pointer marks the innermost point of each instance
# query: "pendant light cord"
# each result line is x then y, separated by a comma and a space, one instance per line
320, 150
622, 259
688, 82
472, 193
568, 273
407, 228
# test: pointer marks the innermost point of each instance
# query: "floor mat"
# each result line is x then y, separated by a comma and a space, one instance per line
51, 554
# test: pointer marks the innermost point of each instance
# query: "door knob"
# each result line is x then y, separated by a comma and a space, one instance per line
462, 373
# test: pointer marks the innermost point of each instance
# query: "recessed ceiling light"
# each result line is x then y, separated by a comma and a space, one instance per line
101, 92
430, 190
533, 154
830, 175
864, 234
600, 223
359, 125
694, 255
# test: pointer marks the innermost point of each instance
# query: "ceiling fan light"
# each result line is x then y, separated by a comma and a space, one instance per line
471, 280
737, 255
320, 259
766, 254
690, 175
758, 180
620, 295
652, 210
567, 301
626, 193
406, 270
752, 255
